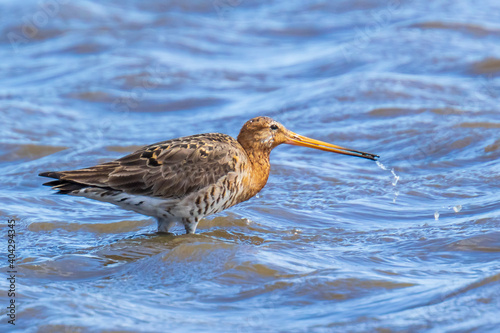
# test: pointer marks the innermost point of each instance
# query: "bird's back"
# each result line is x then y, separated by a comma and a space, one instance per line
169, 169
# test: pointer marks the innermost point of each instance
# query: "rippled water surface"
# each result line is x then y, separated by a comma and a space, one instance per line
333, 243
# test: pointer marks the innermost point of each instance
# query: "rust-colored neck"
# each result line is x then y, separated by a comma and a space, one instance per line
260, 167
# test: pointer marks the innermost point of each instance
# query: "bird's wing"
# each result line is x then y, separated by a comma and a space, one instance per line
167, 169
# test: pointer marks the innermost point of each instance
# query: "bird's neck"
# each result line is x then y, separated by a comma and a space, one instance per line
260, 170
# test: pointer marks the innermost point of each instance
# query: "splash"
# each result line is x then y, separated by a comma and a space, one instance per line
396, 194
381, 166
394, 181
456, 209
396, 178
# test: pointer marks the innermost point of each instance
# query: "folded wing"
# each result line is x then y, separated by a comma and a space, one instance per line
169, 169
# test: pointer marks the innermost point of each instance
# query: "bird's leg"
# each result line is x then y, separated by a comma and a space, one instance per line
164, 225
190, 224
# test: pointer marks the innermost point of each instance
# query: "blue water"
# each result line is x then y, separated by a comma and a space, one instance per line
332, 243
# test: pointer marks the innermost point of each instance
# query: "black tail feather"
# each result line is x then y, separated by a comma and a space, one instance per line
50, 174
63, 186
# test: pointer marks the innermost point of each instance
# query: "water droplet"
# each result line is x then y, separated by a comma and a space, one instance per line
396, 178
436, 215
381, 166
396, 193
457, 208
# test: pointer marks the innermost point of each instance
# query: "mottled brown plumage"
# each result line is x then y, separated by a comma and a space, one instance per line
188, 178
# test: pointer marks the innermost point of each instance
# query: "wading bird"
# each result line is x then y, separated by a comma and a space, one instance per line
185, 179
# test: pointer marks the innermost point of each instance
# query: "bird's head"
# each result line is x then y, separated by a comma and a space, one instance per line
264, 134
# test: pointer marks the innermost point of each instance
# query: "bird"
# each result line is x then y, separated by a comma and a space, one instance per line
186, 179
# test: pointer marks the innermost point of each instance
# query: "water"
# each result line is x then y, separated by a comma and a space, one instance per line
333, 243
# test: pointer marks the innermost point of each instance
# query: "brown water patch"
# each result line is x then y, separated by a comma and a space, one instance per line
480, 125
489, 65
67, 329
462, 143
483, 243
493, 147
447, 111
93, 96
391, 112
456, 26
110, 227
194, 251
27, 152
344, 289
236, 237
69, 267
224, 221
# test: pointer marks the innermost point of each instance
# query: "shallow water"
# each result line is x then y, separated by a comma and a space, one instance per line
333, 243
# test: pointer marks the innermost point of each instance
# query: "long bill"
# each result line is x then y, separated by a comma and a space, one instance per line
299, 140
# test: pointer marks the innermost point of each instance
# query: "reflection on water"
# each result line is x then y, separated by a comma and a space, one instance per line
332, 244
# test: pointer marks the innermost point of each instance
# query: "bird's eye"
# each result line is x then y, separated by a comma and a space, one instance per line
274, 127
